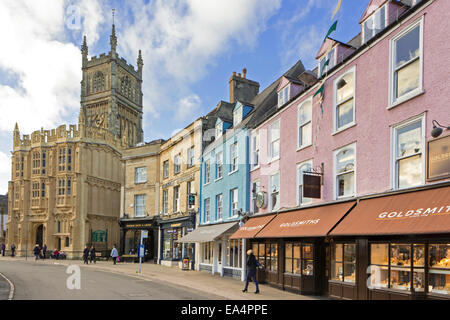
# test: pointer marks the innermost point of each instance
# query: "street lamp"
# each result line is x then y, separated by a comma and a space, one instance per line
437, 130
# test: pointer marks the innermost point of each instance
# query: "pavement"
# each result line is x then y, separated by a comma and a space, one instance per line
205, 284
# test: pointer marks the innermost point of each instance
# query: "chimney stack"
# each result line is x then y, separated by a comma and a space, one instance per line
241, 88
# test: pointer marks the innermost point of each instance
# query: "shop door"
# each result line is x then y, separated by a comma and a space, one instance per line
40, 235
272, 264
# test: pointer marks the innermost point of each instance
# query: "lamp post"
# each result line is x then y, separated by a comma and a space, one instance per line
438, 129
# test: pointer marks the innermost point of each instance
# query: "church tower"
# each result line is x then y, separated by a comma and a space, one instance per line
111, 93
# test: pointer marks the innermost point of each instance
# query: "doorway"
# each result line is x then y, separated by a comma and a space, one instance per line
40, 235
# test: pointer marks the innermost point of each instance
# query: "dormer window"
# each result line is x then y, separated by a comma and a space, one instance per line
374, 24
283, 95
237, 116
219, 130
323, 66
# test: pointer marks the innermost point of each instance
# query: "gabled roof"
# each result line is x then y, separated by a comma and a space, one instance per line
329, 43
371, 8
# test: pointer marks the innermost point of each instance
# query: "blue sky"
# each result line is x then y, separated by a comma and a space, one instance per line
190, 49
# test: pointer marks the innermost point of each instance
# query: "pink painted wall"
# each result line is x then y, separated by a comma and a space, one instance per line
372, 132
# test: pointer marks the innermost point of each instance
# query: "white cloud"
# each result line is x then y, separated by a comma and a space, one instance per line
5, 169
188, 107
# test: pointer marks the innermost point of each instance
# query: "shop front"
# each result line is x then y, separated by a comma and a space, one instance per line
394, 247
172, 251
130, 238
292, 247
218, 253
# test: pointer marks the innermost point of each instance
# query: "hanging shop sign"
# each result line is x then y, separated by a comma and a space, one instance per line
261, 200
438, 162
312, 186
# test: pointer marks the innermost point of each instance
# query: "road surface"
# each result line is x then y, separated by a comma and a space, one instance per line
34, 280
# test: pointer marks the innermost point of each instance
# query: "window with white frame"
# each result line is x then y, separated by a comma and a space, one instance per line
275, 140
255, 150
177, 164
345, 100
207, 209
237, 116
304, 124
139, 205
234, 202
219, 165
207, 171
140, 175
345, 159
219, 207
165, 208
190, 157
255, 190
275, 192
234, 157
207, 252
374, 24
301, 169
283, 95
330, 57
408, 164
176, 199
166, 169
406, 63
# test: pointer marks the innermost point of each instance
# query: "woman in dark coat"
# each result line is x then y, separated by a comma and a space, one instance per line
92, 254
252, 264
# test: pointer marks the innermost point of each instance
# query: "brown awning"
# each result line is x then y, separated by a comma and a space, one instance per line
418, 212
309, 222
252, 227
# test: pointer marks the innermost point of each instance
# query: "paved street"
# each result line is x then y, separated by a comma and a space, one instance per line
36, 280
46, 279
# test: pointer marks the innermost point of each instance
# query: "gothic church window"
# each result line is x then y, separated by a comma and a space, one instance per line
98, 83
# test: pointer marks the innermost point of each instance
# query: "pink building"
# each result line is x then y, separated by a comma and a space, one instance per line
381, 94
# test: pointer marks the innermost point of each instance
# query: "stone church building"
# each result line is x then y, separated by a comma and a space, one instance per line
65, 186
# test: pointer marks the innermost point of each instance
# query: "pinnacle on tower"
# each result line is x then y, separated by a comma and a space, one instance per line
113, 38
140, 62
84, 48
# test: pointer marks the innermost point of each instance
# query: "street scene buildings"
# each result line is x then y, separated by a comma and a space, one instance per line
337, 178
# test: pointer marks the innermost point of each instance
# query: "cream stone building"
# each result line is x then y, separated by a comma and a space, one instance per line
139, 207
66, 182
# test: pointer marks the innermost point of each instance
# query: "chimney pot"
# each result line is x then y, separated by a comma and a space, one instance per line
244, 73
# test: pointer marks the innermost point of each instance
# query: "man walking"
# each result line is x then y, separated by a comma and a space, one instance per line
92, 254
44, 251
3, 249
13, 250
36, 251
252, 264
114, 254
86, 255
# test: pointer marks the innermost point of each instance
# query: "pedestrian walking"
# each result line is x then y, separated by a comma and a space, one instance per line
13, 250
37, 252
3, 249
44, 251
114, 254
86, 255
252, 265
92, 255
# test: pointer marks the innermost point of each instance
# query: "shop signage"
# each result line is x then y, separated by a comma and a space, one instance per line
189, 229
417, 213
171, 231
174, 225
261, 200
141, 251
99, 236
438, 164
299, 223
139, 225
191, 199
144, 234
311, 186
252, 228
165, 186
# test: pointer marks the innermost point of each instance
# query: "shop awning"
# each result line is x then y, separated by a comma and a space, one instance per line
418, 212
308, 222
252, 227
210, 233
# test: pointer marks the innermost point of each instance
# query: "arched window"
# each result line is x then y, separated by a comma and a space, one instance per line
125, 86
98, 83
345, 171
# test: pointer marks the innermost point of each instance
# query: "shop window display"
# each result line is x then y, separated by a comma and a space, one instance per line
292, 258
207, 252
343, 262
172, 248
307, 260
439, 271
